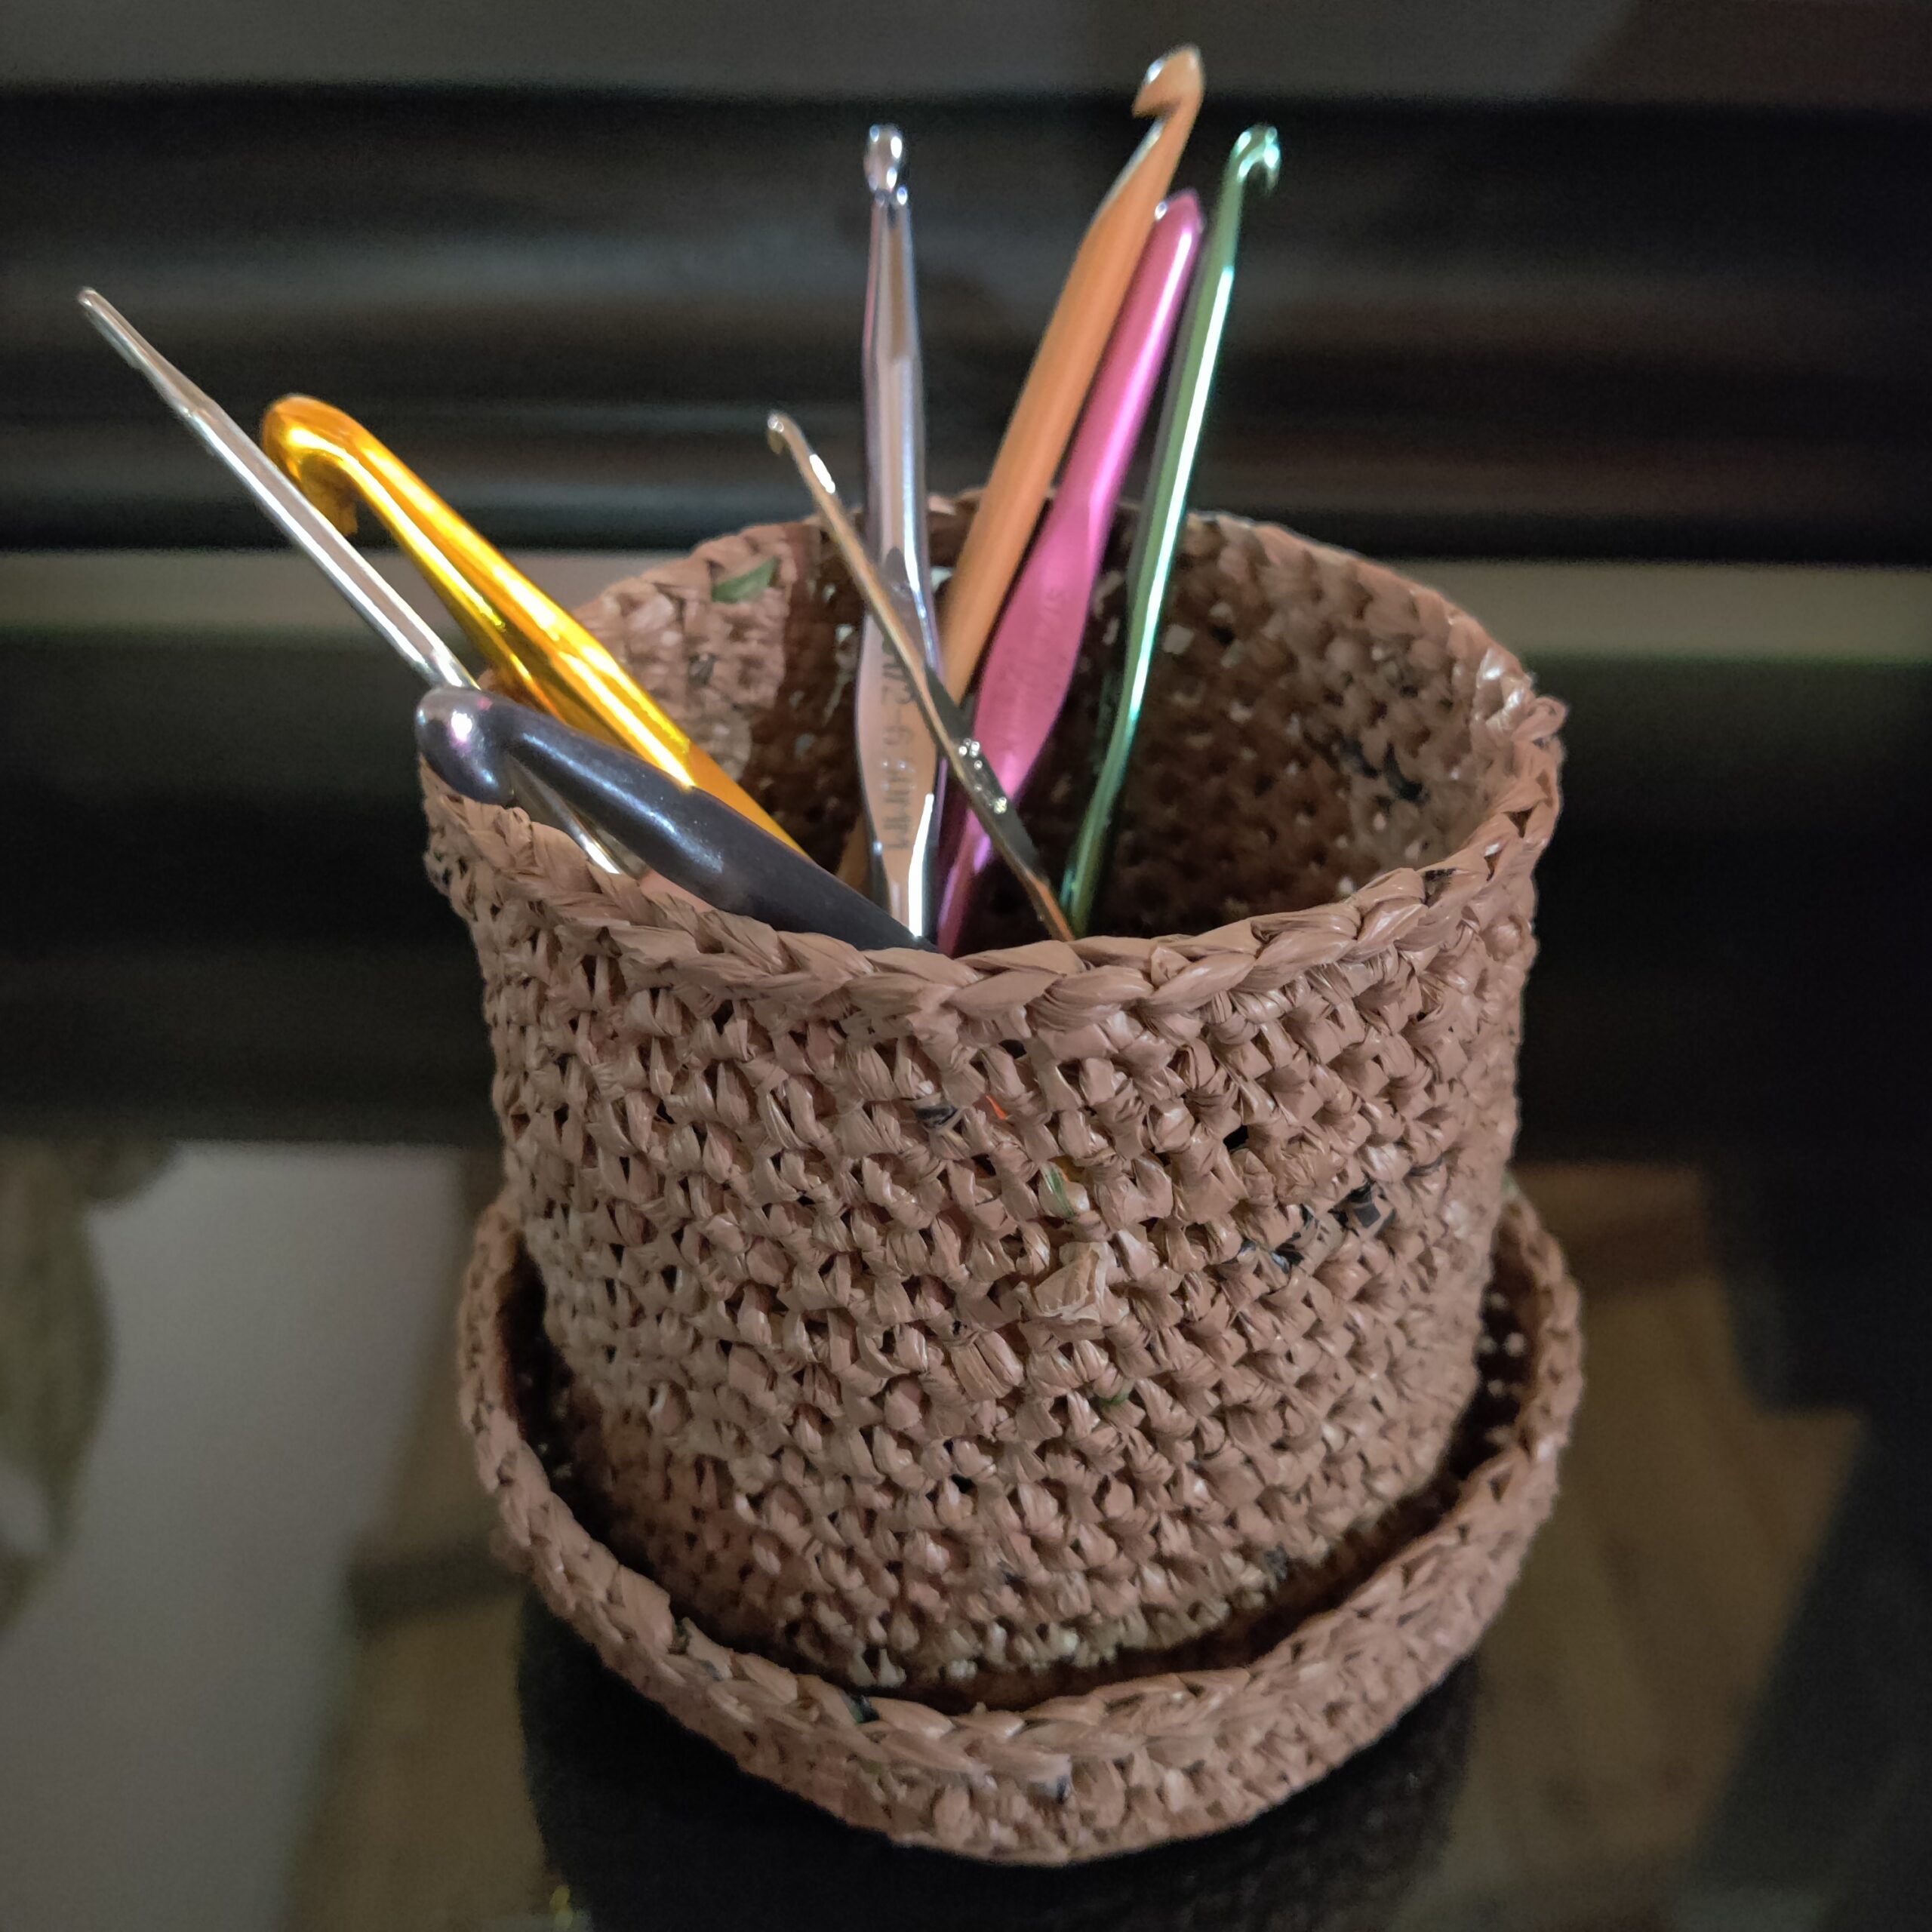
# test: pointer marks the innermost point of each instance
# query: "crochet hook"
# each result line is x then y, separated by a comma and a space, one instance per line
373, 598
898, 761
1183, 411
1064, 363
548, 658
883, 586
474, 741
1023, 682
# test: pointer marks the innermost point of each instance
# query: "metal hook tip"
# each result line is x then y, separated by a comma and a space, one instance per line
1258, 152
885, 154
1174, 81
140, 354
108, 320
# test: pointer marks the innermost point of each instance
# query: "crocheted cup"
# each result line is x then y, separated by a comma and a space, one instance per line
988, 1327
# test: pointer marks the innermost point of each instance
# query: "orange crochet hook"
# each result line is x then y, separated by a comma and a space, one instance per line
1063, 366
549, 660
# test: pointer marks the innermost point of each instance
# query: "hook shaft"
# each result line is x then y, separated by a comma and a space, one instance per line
882, 586
374, 599
1063, 365
549, 659
1183, 412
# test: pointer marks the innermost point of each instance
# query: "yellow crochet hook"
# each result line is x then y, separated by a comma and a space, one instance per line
549, 660
1063, 366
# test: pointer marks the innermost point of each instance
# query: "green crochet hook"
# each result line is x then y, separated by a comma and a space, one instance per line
1183, 411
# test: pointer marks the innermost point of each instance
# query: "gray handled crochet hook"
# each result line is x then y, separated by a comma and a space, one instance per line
376, 601
474, 742
898, 761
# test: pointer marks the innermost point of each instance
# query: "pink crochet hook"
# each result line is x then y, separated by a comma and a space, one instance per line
1029, 663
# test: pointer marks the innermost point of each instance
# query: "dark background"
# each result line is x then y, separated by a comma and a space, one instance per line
1584, 282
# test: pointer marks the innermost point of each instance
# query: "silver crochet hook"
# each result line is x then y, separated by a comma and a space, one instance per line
884, 586
375, 600
898, 761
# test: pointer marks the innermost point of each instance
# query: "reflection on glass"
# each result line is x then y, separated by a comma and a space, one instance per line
650, 1826
54, 1341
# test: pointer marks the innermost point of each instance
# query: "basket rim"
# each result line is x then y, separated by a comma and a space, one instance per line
656, 925
732, 1694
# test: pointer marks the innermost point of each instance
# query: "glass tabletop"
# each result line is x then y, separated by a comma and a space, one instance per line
258, 1667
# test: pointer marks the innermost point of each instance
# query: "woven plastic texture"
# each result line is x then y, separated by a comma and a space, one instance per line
975, 1328
651, 1827
1174, 1754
